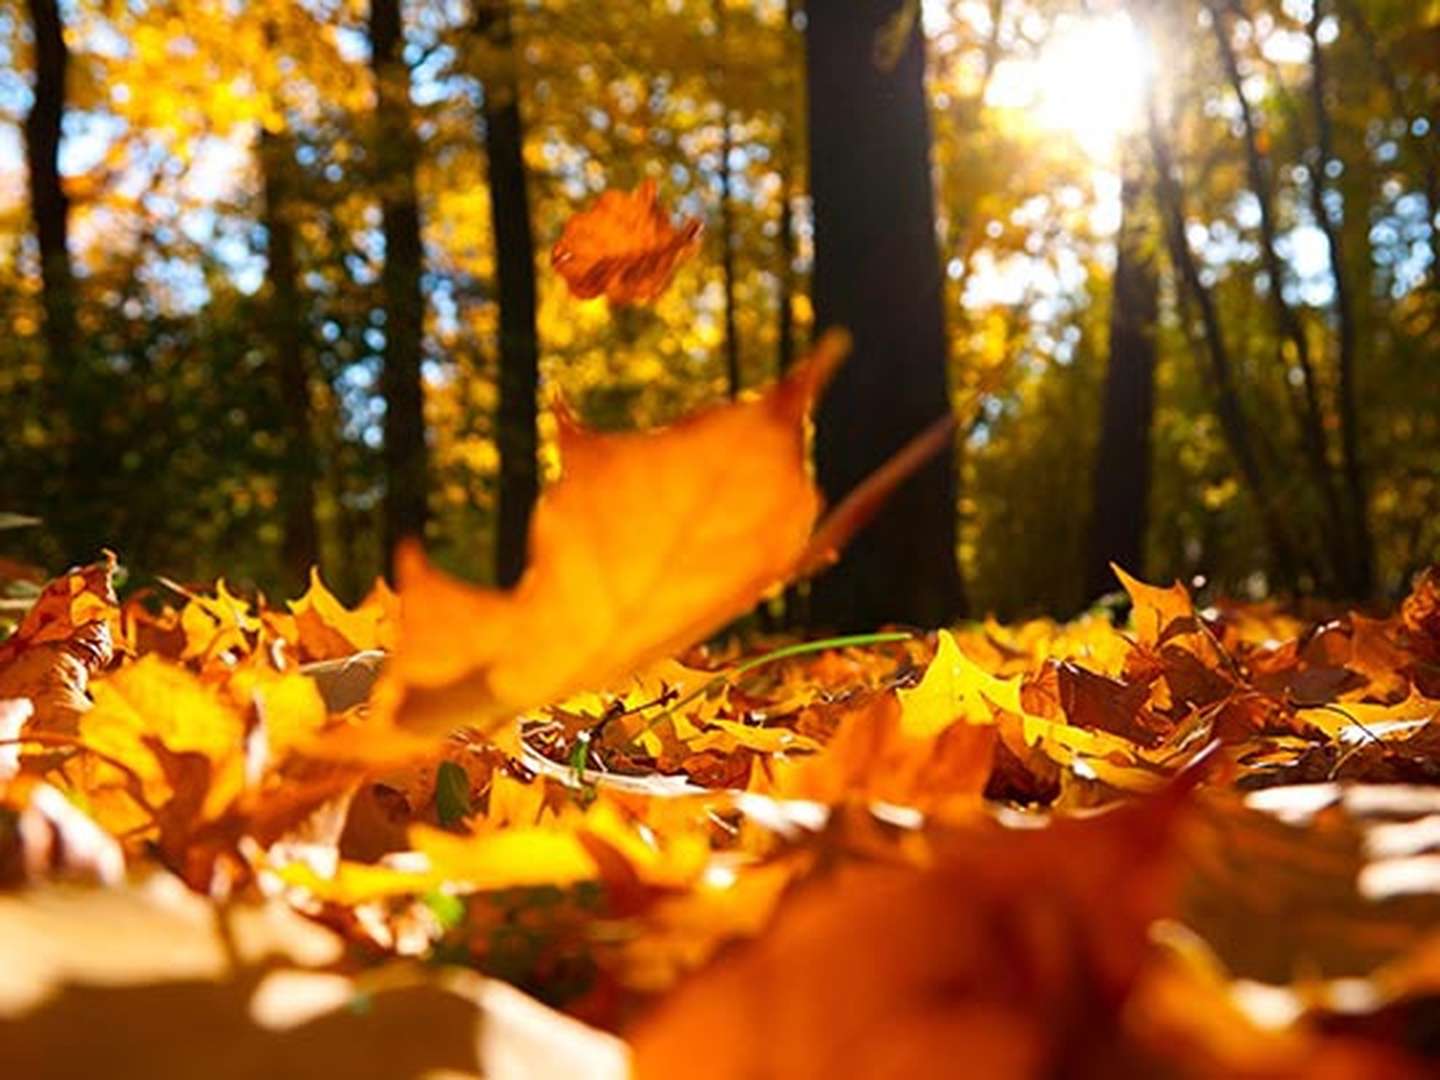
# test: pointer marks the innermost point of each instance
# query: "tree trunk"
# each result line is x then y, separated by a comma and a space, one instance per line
727, 210
285, 327
785, 279
1287, 322
48, 202
877, 272
515, 424
1122, 462
71, 402
1359, 575
397, 153
789, 159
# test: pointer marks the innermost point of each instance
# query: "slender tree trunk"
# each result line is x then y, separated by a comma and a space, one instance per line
789, 160
877, 272
285, 327
727, 207
1360, 573
1122, 462
1427, 146
72, 404
397, 153
515, 425
1231, 414
785, 298
1287, 322
789, 118
48, 203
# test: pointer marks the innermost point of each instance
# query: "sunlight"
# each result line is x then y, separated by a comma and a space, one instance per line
1087, 81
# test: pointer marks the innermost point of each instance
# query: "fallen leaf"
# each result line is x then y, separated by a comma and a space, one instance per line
328, 630
49, 836
1012, 952
66, 637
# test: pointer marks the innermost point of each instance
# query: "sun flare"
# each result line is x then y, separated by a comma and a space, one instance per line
1087, 81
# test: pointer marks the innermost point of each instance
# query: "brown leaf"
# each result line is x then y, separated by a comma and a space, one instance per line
623, 248
67, 636
48, 836
1010, 951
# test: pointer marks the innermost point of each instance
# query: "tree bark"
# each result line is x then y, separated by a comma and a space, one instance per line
877, 272
1122, 461
397, 153
788, 154
285, 327
516, 433
49, 204
70, 401
727, 210
785, 289
1360, 572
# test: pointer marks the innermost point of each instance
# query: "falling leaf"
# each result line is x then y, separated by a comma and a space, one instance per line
624, 248
644, 545
865, 501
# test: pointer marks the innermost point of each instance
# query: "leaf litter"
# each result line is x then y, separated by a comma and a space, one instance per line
552, 829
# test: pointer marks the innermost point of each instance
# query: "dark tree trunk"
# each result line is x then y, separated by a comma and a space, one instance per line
789, 156
72, 403
727, 212
515, 424
785, 298
1122, 462
1359, 575
48, 202
877, 272
285, 327
397, 153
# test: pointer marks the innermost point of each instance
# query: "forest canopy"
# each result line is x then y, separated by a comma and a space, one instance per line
276, 286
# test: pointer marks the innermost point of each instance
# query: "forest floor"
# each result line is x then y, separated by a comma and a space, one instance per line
541, 833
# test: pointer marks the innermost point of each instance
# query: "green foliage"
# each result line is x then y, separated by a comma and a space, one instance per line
452, 793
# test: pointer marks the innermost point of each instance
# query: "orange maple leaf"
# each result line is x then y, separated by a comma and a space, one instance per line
648, 542
624, 248
327, 630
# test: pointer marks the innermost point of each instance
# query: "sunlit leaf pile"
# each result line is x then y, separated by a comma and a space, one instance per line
289, 835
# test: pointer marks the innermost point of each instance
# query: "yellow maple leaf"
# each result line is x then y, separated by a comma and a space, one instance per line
953, 687
155, 703
328, 630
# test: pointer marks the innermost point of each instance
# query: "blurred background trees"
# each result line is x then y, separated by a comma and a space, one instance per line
274, 281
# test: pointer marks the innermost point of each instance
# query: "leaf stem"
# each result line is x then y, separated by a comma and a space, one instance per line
801, 648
